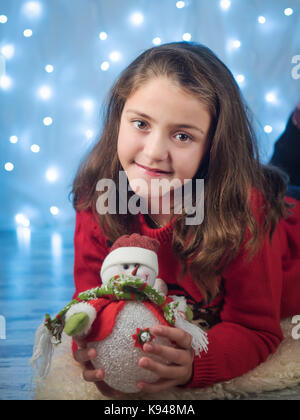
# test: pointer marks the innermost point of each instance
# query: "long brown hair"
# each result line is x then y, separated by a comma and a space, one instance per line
231, 167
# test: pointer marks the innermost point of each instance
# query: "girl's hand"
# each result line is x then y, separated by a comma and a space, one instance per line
180, 369
84, 356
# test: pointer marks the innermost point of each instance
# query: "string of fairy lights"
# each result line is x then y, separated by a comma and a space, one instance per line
35, 10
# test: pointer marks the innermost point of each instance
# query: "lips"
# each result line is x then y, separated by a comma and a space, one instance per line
156, 170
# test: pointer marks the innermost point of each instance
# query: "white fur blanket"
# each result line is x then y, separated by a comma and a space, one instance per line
281, 370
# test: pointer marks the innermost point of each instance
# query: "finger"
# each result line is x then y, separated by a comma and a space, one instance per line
181, 337
162, 370
85, 355
171, 354
107, 391
160, 385
90, 374
80, 342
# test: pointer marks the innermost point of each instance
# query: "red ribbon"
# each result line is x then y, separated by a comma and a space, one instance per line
167, 300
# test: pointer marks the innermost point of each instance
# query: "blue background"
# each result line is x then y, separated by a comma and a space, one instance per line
36, 246
65, 34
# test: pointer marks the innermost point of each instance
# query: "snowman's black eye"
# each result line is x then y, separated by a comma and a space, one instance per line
125, 266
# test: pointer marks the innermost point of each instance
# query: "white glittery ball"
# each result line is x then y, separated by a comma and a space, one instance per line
118, 356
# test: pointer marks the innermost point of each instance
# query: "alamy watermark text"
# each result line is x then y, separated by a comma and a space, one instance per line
157, 195
296, 329
296, 69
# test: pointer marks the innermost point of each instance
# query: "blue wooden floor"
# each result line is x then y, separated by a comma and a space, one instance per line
36, 276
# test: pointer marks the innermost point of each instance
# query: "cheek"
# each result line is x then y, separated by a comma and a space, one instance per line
188, 164
127, 145
145, 274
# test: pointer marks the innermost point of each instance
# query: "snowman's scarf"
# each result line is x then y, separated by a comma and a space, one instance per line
43, 351
199, 337
120, 287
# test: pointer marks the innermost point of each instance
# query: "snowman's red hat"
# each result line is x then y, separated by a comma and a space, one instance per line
135, 248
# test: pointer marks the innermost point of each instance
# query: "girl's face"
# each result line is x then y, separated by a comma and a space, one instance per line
163, 128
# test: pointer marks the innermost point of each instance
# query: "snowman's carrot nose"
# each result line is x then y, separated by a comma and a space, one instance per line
135, 270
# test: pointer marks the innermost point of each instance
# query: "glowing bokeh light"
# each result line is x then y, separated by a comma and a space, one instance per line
115, 56
268, 129
89, 134
103, 36
237, 43
52, 174
288, 11
225, 4
240, 78
271, 98
87, 105
22, 220
156, 41
187, 36
35, 148
233, 44
32, 9
54, 210
3, 19
27, 33
13, 139
49, 68
105, 66
261, 19
9, 166
5, 82
45, 92
137, 18
47, 121
180, 4
8, 51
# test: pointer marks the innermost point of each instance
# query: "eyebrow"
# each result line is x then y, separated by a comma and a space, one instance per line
176, 125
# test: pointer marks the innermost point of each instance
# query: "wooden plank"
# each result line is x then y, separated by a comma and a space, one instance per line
36, 276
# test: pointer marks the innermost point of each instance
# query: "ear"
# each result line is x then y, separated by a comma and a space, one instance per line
161, 286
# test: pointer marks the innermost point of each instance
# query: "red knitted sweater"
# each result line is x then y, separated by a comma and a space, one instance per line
244, 319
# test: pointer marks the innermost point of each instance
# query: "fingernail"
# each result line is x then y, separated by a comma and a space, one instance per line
91, 354
144, 363
99, 374
158, 329
148, 347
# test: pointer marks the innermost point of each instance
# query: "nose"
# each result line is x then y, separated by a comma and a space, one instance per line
135, 270
156, 147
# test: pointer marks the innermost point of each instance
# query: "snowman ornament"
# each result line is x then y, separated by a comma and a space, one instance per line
117, 318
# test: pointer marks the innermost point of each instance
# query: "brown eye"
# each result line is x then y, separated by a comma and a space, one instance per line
186, 137
139, 121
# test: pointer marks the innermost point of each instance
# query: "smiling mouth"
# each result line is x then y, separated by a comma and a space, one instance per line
153, 170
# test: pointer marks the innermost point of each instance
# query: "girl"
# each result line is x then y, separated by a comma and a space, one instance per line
176, 112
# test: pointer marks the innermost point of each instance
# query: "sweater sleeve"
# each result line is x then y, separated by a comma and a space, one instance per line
90, 249
249, 330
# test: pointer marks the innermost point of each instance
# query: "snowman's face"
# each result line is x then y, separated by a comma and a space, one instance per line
143, 272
